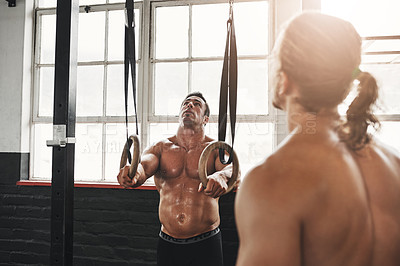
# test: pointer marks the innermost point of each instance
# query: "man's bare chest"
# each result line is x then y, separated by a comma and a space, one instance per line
177, 162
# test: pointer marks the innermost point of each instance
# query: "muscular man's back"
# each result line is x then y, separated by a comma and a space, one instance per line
336, 226
322, 204
367, 191
381, 172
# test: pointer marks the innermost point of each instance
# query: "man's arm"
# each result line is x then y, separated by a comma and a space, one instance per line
147, 167
267, 219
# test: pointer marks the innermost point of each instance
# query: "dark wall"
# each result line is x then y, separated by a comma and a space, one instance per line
111, 226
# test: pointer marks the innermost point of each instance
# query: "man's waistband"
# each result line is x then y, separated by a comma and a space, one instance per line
189, 240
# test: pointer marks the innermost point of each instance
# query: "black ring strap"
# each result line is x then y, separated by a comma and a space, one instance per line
130, 60
228, 87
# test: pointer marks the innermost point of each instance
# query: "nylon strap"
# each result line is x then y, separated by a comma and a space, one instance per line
228, 87
130, 60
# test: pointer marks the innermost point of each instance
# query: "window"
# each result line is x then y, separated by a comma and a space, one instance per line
180, 47
377, 22
99, 104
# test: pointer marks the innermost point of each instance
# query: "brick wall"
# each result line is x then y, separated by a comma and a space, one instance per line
111, 226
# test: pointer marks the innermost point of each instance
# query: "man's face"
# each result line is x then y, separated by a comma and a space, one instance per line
275, 66
278, 99
192, 111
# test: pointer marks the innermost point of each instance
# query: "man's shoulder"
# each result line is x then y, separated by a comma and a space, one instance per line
158, 146
277, 169
207, 139
296, 167
166, 141
274, 183
386, 149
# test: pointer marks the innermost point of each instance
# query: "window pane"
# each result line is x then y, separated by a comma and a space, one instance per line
91, 2
48, 39
116, 91
89, 98
42, 155
251, 24
116, 34
160, 131
251, 27
370, 17
115, 141
387, 76
253, 143
209, 35
380, 45
172, 34
47, 3
88, 152
91, 36
171, 86
252, 87
379, 58
389, 134
46, 92
206, 78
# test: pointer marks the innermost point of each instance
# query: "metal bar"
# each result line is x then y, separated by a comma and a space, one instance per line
145, 105
105, 91
91, 63
382, 63
157, 3
200, 59
390, 37
61, 250
381, 52
190, 46
388, 117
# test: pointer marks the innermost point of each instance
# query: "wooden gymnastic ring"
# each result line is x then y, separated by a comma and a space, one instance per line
204, 158
136, 155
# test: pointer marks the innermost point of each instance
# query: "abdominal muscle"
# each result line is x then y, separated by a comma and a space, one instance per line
183, 211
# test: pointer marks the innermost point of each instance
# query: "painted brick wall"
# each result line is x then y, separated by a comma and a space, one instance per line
111, 226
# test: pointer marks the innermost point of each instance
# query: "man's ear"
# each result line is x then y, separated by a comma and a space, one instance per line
284, 84
205, 120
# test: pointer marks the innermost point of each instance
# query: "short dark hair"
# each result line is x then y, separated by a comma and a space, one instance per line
200, 95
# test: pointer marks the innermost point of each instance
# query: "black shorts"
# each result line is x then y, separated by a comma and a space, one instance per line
202, 250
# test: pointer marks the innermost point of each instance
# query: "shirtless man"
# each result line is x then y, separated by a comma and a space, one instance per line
188, 213
330, 194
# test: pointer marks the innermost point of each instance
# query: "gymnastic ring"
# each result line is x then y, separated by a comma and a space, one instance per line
136, 155
204, 158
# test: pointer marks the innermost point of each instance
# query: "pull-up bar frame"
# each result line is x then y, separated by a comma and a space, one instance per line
64, 117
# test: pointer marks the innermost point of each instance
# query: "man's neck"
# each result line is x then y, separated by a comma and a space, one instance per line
299, 118
190, 138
